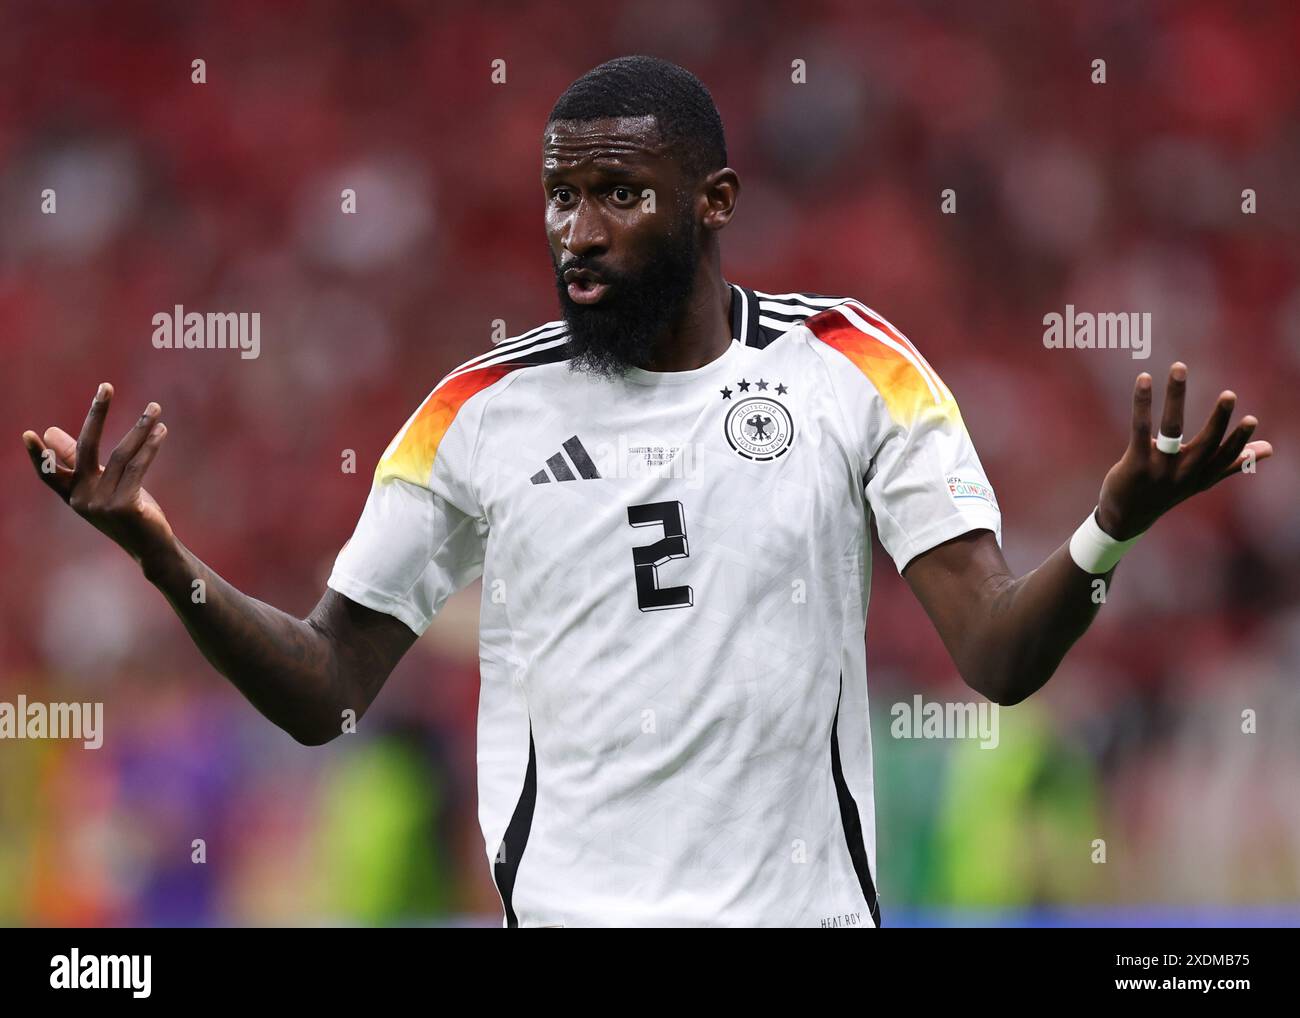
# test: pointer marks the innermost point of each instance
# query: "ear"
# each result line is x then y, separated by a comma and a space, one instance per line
721, 190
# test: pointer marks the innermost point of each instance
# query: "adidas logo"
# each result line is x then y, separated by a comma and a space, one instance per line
560, 468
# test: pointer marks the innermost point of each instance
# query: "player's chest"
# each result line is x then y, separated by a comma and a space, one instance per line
751, 465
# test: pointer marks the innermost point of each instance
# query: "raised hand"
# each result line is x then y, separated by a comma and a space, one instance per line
1146, 483
110, 496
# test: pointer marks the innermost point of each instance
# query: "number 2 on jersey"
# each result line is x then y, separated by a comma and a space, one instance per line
647, 558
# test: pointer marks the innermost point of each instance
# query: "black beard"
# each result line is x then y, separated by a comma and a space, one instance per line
625, 329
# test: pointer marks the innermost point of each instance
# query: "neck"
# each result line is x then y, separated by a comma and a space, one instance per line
702, 332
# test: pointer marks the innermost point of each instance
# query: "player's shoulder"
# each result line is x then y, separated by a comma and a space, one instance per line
825, 316
851, 336
776, 315
492, 371
454, 406
545, 344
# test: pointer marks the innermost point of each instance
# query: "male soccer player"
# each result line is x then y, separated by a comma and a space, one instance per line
667, 493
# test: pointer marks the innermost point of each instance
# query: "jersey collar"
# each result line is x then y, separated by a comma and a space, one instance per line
744, 315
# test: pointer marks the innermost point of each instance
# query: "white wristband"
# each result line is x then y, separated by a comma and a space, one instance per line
1094, 550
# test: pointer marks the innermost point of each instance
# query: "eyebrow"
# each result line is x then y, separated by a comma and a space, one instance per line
600, 169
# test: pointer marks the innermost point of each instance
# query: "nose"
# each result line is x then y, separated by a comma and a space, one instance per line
587, 230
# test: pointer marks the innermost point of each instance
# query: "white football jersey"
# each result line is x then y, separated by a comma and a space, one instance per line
673, 718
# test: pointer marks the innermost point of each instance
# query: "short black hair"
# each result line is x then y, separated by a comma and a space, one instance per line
637, 86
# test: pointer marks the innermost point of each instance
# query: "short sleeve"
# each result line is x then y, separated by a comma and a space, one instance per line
421, 535
926, 484
924, 481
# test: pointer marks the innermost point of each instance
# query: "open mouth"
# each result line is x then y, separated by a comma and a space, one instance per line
585, 287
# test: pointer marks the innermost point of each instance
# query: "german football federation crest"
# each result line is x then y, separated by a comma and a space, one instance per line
758, 427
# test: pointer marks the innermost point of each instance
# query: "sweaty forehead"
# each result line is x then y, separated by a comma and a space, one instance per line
625, 139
